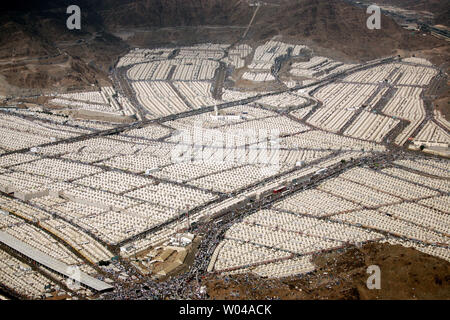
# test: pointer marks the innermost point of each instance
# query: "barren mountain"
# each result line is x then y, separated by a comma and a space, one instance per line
338, 26
329, 24
38, 51
174, 13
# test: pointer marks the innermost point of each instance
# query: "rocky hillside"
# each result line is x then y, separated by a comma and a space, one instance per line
37, 51
174, 13
333, 25
337, 26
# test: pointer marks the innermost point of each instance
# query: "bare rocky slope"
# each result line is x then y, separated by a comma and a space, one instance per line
37, 51
338, 26
331, 24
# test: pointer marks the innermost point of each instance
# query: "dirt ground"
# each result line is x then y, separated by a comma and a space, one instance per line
443, 105
342, 275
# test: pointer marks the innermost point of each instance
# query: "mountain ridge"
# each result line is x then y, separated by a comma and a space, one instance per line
38, 30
